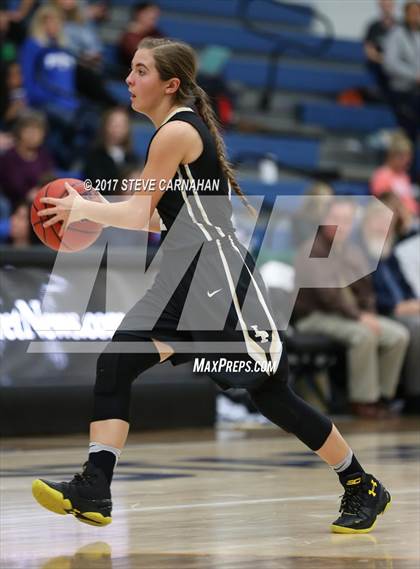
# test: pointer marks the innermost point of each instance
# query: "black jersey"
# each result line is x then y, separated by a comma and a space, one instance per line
210, 300
189, 197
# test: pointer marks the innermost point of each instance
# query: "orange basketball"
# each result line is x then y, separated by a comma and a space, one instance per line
78, 235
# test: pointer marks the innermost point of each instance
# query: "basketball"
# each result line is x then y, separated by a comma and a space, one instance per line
78, 235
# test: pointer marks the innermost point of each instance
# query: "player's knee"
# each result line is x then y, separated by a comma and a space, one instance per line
107, 372
118, 366
116, 369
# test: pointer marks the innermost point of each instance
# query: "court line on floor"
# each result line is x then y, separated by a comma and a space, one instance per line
134, 507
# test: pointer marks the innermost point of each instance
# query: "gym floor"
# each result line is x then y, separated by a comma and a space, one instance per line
229, 498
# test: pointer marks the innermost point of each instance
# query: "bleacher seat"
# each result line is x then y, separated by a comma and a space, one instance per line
298, 188
259, 10
238, 38
342, 187
293, 151
291, 77
346, 118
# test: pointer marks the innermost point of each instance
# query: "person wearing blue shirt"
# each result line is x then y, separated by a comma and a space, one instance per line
49, 76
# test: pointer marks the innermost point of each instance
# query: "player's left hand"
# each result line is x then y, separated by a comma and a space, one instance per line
67, 210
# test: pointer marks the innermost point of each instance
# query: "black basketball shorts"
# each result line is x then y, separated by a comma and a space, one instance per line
216, 313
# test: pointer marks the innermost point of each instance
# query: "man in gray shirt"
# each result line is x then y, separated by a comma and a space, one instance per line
402, 64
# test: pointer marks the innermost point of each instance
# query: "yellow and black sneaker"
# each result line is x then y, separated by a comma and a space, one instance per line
87, 496
363, 500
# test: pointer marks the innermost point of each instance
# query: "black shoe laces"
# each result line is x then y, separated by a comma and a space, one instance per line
84, 478
351, 500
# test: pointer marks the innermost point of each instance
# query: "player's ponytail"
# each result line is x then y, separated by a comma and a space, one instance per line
209, 117
177, 59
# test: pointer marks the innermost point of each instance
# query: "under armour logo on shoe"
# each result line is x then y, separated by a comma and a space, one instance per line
372, 491
261, 334
210, 294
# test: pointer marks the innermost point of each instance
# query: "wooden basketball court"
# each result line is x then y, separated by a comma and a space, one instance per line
223, 499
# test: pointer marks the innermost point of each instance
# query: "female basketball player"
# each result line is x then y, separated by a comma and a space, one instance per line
219, 279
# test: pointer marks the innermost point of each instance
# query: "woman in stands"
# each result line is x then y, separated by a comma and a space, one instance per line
49, 79
214, 283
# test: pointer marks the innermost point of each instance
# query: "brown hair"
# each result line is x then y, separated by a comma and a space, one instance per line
101, 138
29, 118
178, 59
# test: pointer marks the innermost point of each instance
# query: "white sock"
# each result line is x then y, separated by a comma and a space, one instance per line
345, 463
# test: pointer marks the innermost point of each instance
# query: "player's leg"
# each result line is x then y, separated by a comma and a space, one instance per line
113, 432
364, 496
88, 495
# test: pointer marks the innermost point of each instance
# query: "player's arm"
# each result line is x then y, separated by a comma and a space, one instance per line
167, 150
154, 223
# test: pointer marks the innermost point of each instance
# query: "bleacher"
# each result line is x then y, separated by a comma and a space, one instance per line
305, 117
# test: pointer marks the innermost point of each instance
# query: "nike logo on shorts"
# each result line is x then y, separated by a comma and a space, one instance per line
210, 294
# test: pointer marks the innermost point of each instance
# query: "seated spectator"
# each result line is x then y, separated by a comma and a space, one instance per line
312, 211
374, 44
23, 165
81, 39
393, 175
376, 345
49, 79
21, 233
394, 296
402, 64
143, 24
112, 152
48, 68
13, 97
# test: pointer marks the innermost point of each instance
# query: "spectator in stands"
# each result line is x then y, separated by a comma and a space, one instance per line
393, 175
394, 296
374, 44
82, 40
23, 165
21, 233
48, 68
49, 73
312, 211
402, 63
12, 95
112, 152
143, 23
376, 345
